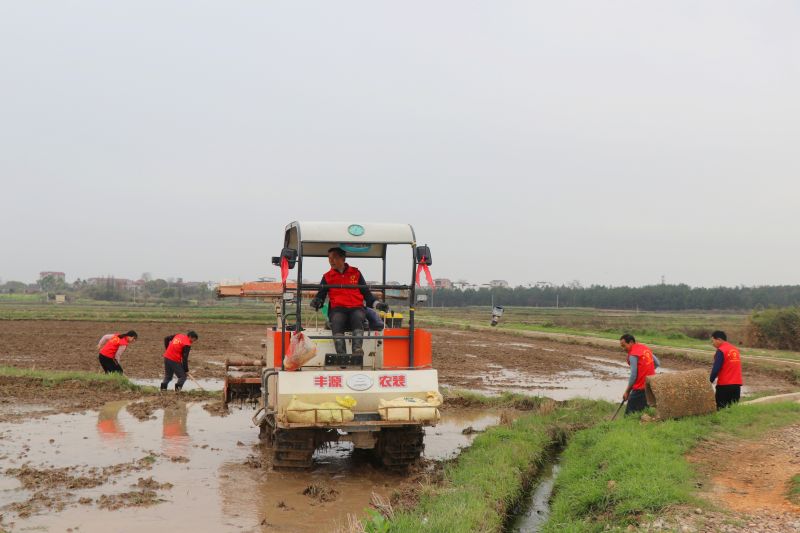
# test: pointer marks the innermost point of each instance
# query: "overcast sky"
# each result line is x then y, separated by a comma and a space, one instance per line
608, 142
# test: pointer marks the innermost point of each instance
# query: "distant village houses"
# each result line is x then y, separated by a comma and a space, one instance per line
442, 283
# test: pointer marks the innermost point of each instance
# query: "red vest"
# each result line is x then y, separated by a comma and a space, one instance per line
646, 366
731, 371
344, 297
110, 348
174, 351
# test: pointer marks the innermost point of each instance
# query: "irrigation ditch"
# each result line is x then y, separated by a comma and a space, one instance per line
565, 467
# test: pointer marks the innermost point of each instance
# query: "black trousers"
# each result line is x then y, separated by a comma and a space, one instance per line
637, 401
344, 318
173, 368
341, 319
727, 394
109, 365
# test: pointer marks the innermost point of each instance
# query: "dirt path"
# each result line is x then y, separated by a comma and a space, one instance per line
748, 481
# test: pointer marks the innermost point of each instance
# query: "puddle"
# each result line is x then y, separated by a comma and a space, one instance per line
604, 381
446, 439
207, 384
212, 463
537, 509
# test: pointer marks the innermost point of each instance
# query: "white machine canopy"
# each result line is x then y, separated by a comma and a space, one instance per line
357, 239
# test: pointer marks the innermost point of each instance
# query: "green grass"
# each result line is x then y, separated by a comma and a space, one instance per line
52, 378
794, 489
21, 298
488, 478
615, 472
240, 313
514, 400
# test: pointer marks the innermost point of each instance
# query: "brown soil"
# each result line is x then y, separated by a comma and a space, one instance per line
68, 396
51, 487
321, 492
462, 357
750, 476
72, 345
135, 498
144, 409
748, 483
216, 408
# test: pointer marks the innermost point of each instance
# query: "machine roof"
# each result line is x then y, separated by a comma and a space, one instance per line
361, 239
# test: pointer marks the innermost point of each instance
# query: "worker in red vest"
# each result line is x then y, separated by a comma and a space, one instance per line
643, 363
346, 307
176, 358
727, 370
111, 347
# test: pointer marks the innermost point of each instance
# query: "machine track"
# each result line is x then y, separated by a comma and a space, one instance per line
399, 447
293, 448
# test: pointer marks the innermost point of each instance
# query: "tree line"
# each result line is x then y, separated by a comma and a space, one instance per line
112, 290
648, 298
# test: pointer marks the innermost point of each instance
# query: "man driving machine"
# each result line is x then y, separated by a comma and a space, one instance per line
346, 304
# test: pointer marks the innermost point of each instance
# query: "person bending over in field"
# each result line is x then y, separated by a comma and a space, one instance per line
176, 358
643, 363
111, 347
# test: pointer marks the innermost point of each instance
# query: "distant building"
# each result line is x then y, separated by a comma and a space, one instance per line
119, 283
498, 283
442, 283
60, 276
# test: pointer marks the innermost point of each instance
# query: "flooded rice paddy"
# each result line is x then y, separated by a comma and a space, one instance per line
107, 470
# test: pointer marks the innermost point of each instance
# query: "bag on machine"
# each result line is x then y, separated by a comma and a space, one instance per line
301, 350
300, 412
410, 408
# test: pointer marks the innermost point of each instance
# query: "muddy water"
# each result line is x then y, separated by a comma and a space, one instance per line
603, 380
538, 505
213, 464
189, 385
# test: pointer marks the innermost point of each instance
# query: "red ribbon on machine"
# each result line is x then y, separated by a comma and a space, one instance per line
284, 269
422, 266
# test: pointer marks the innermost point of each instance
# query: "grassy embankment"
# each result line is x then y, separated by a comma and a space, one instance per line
618, 473
54, 378
690, 329
613, 474
489, 478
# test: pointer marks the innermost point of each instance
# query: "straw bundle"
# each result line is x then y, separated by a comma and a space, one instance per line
680, 394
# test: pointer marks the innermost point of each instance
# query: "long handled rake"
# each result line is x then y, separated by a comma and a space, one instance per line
617, 411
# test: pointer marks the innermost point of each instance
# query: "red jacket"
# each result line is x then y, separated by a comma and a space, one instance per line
646, 366
731, 371
349, 298
110, 348
174, 351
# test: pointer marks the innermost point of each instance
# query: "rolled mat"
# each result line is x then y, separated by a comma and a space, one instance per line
678, 394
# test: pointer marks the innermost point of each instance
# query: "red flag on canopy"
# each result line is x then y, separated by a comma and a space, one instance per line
422, 266
284, 269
